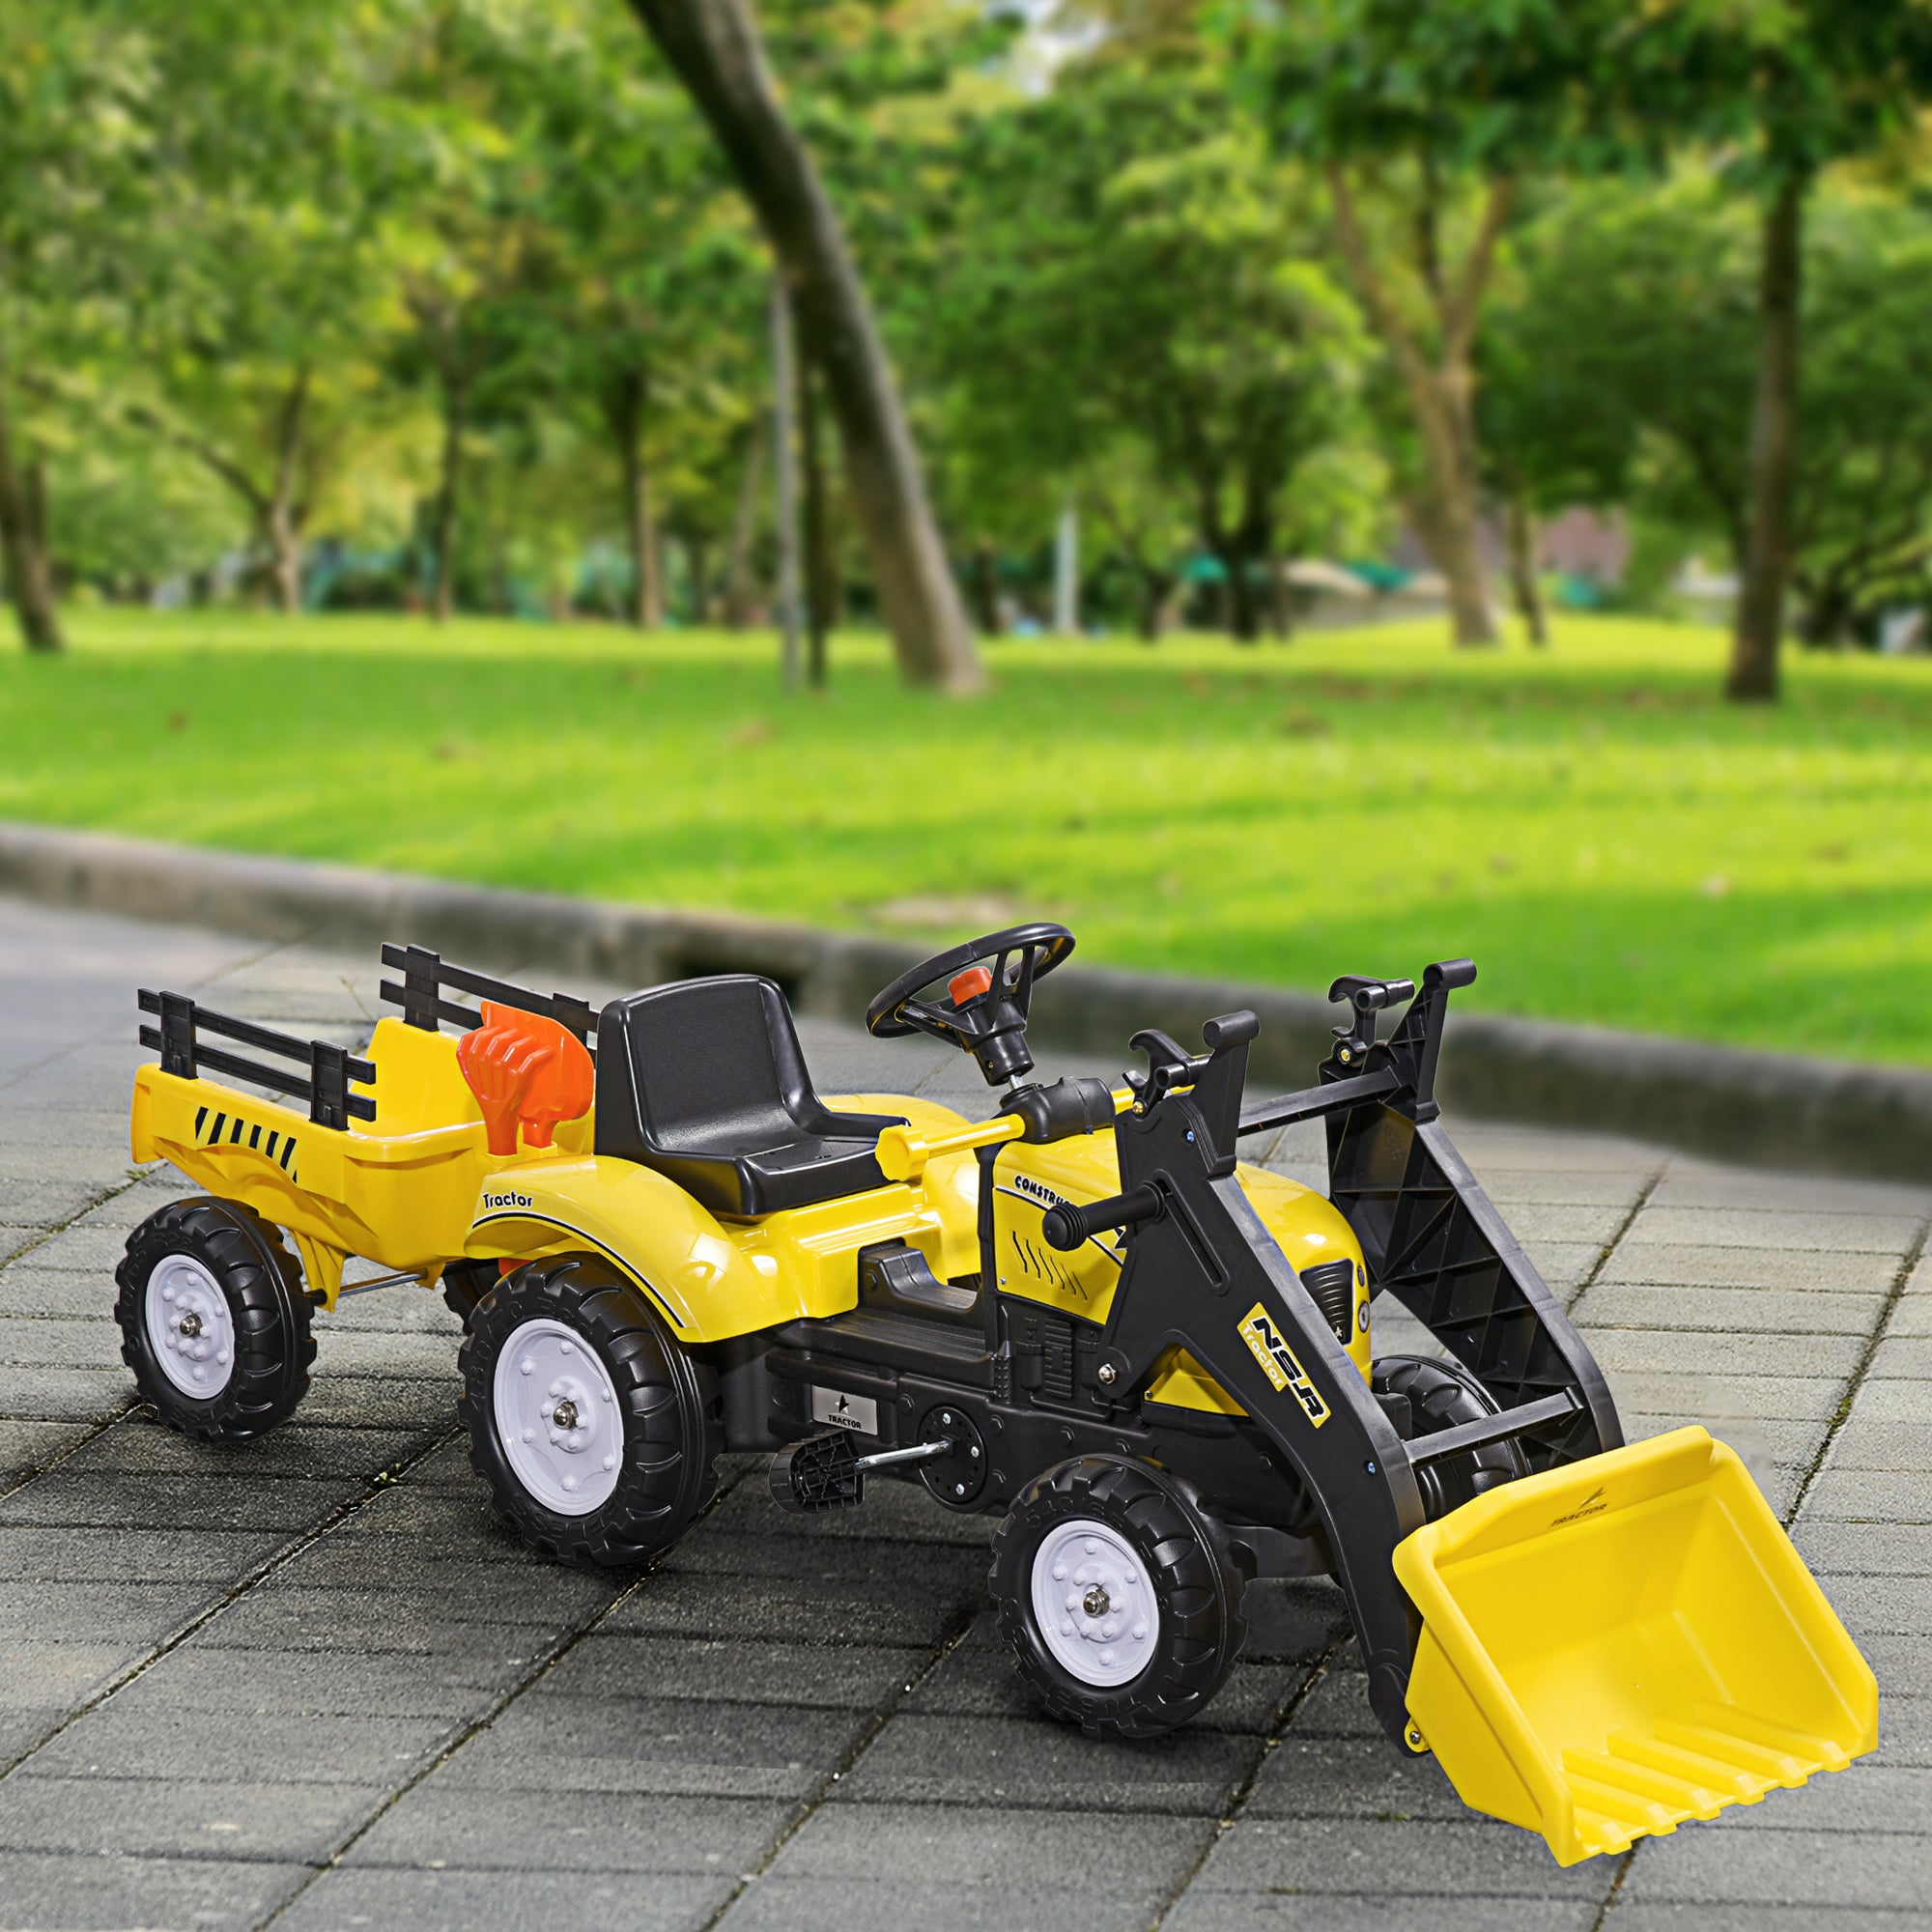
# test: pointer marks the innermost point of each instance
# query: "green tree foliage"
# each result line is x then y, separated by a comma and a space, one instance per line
1621, 371
1132, 267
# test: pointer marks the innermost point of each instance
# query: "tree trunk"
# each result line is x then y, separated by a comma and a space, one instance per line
744, 532
442, 593
698, 569
1156, 587
279, 532
983, 581
30, 577
626, 409
1441, 390
819, 595
1774, 453
712, 47
1524, 535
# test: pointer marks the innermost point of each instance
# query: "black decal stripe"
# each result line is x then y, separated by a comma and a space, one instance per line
200, 1117
214, 1132
1093, 1240
255, 1135
610, 1254
235, 1133
288, 1149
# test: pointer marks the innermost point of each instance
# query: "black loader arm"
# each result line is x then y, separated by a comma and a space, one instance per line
1433, 1239
1202, 1271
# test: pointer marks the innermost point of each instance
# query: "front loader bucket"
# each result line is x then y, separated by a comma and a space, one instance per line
1623, 1642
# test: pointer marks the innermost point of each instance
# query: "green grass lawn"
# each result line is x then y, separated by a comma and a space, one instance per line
1608, 839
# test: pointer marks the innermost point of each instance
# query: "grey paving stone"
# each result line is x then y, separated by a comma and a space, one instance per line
1874, 1496
1694, 1183
1564, 1265
1514, 1189
350, 1899
75, 1295
1868, 1443
1696, 1393
780, 1903
536, 1829
1870, 1604
1702, 1915
1349, 1777
224, 1499
1691, 1263
1885, 1399
26, 1446
1907, 1357
1010, 1762
181, 1817
626, 1665
1797, 1231
788, 1610
376, 1352
206, 1676
1143, 1853
136, 1613
1377, 1912
1609, 1305
1733, 1356
163, 1738
664, 1745
360, 1621
1783, 1867
81, 1557
1416, 1857
1867, 1549
74, 1891
64, 1395
95, 1251
298, 1448
38, 1674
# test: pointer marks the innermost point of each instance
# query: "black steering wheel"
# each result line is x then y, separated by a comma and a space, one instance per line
988, 991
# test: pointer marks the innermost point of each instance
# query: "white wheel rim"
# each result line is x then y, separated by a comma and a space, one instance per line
189, 1328
557, 1418
1096, 1612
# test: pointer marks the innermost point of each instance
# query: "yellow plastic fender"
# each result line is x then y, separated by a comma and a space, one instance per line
709, 1279
1617, 1645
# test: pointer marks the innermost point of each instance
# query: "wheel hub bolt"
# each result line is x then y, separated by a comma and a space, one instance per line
564, 1415
191, 1324
1097, 1603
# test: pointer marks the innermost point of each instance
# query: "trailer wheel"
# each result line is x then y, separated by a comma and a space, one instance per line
597, 1431
213, 1319
1119, 1596
1443, 1394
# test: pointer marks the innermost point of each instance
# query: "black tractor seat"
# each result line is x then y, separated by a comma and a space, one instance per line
704, 1081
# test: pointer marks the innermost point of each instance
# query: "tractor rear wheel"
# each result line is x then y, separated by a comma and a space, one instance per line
1119, 1596
213, 1319
596, 1429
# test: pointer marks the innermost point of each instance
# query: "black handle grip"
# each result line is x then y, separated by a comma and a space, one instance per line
1066, 1227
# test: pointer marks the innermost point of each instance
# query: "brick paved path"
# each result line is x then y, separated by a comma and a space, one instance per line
311, 1684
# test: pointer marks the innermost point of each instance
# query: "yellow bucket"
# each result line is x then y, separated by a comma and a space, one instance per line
1615, 1646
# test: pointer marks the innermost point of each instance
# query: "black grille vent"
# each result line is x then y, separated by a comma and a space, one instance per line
1332, 1289
1056, 1359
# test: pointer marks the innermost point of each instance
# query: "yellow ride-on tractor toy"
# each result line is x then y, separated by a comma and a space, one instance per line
1085, 1315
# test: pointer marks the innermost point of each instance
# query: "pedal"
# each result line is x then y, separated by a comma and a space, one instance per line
820, 1473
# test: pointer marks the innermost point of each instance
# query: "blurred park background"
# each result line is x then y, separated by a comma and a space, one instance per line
1285, 486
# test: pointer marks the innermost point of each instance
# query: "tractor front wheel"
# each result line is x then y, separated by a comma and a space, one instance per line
214, 1321
596, 1429
1119, 1596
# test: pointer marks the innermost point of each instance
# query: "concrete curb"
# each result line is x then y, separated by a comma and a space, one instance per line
1730, 1103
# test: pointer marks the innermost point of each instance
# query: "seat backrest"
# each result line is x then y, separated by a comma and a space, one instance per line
701, 1064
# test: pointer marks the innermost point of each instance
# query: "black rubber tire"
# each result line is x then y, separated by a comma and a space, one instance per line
262, 1285
1188, 1561
465, 1283
1442, 1394
673, 1413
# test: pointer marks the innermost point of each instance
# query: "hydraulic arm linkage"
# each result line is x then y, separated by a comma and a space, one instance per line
1201, 1273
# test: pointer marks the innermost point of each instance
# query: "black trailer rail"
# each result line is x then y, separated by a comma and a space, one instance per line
326, 1069
425, 974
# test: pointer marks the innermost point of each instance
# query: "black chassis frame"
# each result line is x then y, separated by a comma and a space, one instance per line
1316, 1477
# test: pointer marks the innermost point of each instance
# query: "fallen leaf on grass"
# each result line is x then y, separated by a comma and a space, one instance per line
753, 734
449, 751
1716, 887
177, 721
1299, 723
